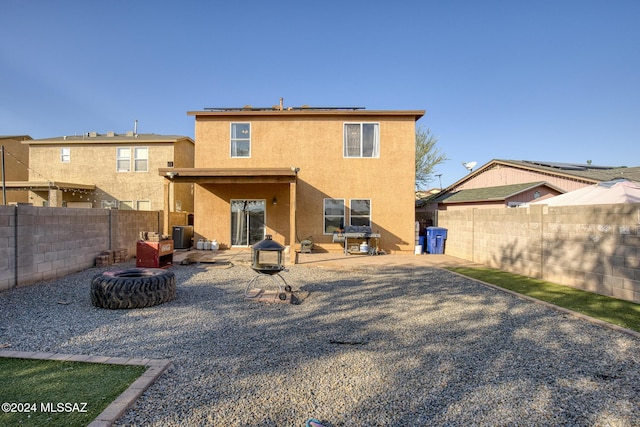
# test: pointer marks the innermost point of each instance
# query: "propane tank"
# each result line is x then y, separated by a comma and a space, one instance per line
214, 245
200, 245
207, 245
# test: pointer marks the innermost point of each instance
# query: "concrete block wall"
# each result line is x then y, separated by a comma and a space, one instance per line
52, 242
508, 238
596, 248
41, 243
127, 225
460, 241
7, 246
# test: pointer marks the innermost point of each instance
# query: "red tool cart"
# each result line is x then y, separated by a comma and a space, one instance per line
154, 254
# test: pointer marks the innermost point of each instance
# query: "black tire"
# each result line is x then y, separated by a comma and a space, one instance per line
133, 288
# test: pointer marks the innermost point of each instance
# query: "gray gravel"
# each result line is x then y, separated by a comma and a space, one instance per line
377, 347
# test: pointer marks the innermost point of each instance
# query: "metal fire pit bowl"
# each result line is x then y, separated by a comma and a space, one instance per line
267, 261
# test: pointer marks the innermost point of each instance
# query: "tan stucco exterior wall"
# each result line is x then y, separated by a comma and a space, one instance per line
183, 153
315, 145
95, 164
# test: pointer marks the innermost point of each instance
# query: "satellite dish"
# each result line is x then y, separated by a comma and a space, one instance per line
469, 165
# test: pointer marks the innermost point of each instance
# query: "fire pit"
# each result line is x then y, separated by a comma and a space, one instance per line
267, 260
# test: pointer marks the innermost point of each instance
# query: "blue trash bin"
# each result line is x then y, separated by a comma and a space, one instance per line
435, 238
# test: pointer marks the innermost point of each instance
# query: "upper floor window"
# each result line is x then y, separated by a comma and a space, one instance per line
240, 139
360, 212
123, 159
140, 159
361, 139
333, 215
65, 155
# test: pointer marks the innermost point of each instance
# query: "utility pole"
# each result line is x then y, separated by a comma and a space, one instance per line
4, 184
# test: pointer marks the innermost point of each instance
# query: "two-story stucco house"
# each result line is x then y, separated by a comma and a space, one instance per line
298, 173
109, 171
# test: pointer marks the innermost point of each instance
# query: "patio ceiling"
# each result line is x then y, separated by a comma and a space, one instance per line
229, 176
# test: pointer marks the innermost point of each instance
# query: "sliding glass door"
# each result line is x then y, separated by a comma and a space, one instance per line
247, 222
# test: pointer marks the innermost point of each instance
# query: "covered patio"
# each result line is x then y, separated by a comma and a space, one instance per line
54, 193
229, 182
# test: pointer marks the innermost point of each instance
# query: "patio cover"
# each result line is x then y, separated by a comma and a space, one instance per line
235, 176
53, 188
603, 193
229, 176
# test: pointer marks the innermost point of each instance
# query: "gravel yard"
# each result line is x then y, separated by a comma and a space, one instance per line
378, 346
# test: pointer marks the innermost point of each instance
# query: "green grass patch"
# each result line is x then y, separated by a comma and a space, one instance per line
49, 392
612, 310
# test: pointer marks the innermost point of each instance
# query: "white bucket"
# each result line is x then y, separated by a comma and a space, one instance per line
418, 250
364, 247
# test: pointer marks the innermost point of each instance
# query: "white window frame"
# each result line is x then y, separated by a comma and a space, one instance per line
139, 204
375, 151
65, 154
121, 158
351, 215
325, 216
234, 139
140, 154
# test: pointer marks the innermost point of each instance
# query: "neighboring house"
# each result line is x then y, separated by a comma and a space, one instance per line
510, 196
109, 171
426, 213
299, 173
511, 183
16, 168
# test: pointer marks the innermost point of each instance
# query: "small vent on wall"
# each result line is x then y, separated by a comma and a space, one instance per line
169, 164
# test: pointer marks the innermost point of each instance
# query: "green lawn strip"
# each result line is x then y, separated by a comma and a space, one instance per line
611, 310
61, 393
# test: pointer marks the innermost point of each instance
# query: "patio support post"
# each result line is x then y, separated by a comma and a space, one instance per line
292, 221
167, 204
55, 197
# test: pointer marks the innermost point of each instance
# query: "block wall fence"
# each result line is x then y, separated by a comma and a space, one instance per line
41, 243
595, 248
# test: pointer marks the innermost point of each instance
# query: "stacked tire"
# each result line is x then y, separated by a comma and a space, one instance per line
133, 288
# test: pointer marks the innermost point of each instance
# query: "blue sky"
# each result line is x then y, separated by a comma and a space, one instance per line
521, 79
